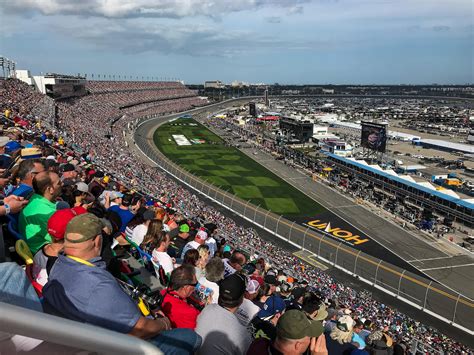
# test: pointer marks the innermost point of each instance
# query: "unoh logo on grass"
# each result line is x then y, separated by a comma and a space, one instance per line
337, 232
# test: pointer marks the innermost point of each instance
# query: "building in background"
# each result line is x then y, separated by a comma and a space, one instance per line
57, 86
214, 84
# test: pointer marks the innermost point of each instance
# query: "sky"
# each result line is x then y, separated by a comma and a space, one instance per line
255, 41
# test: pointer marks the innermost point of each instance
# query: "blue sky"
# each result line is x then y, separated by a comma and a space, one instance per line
284, 41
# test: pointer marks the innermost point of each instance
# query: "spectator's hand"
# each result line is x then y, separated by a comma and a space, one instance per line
16, 203
318, 346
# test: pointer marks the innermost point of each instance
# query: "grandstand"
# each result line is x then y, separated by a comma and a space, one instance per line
405, 187
82, 154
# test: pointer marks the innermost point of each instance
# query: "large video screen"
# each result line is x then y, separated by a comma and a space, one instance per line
374, 136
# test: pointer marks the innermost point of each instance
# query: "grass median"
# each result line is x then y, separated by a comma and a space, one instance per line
205, 154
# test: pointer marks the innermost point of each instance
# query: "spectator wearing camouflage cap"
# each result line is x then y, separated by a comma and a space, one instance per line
295, 334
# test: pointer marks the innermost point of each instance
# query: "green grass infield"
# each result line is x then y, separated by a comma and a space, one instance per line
205, 155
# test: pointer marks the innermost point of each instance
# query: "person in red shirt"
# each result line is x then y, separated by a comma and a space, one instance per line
174, 306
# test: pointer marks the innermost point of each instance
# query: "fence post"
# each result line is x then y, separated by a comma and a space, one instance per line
223, 196
376, 272
291, 230
255, 215
265, 222
209, 189
245, 208
304, 236
321, 237
400, 283
337, 251
232, 201
276, 229
426, 294
456, 307
355, 263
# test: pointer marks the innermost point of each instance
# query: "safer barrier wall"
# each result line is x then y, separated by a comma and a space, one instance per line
417, 291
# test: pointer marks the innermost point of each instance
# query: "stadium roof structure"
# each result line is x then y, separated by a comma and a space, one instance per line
464, 148
406, 180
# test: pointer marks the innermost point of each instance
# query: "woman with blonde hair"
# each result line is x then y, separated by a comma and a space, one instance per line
204, 255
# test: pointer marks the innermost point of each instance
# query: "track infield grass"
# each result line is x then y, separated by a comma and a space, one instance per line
230, 169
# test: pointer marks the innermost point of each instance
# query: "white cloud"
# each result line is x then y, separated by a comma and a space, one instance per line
144, 8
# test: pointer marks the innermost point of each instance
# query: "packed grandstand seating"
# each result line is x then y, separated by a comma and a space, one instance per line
110, 199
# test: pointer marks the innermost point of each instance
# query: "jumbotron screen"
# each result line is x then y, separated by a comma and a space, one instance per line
374, 136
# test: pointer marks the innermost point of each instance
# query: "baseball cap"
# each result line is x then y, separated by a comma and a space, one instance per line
271, 279
115, 194
345, 323
68, 167
253, 286
4, 141
232, 287
82, 186
30, 153
201, 235
294, 324
87, 225
273, 305
58, 221
148, 215
322, 313
297, 292
249, 268
184, 228
12, 146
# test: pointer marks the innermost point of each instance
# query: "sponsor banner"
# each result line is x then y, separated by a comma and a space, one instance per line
350, 238
197, 141
184, 124
181, 140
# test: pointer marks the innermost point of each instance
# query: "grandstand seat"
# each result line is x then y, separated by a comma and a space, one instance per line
24, 252
144, 257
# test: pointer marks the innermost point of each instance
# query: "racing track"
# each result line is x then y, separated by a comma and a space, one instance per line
339, 205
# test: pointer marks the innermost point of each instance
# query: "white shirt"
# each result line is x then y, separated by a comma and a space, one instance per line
212, 285
212, 244
163, 259
139, 233
246, 312
190, 245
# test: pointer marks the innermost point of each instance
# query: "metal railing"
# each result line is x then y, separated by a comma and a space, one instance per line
432, 298
42, 326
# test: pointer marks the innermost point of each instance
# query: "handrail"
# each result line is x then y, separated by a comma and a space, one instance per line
17, 320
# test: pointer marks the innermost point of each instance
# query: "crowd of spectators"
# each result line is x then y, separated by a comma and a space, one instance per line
225, 289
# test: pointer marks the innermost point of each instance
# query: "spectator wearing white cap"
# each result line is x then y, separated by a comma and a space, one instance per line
248, 310
200, 239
